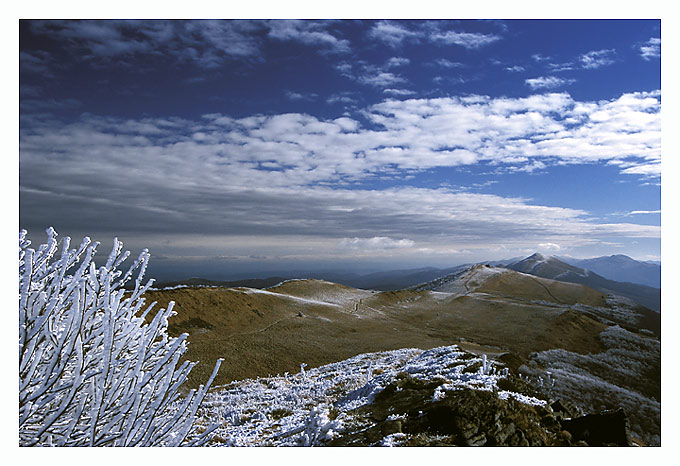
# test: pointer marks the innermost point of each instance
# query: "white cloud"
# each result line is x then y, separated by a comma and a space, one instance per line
391, 34
397, 61
651, 49
597, 59
547, 82
515, 69
559, 67
394, 34
398, 92
292, 174
651, 169
374, 243
343, 98
381, 79
307, 32
525, 134
371, 75
292, 95
643, 212
469, 40
448, 63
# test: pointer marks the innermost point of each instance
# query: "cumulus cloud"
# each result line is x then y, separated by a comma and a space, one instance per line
397, 61
292, 175
372, 75
547, 82
468, 40
651, 49
413, 134
396, 33
381, 79
398, 92
597, 59
347, 98
392, 34
307, 32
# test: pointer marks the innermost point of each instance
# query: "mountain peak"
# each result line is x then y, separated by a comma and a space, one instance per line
537, 256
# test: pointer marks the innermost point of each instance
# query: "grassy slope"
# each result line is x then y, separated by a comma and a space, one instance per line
261, 333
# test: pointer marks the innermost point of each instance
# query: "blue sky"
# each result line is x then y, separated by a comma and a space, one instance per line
246, 146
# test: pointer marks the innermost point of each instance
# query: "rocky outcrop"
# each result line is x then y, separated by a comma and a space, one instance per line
407, 413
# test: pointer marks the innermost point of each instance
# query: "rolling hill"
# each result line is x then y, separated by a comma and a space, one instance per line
274, 330
526, 323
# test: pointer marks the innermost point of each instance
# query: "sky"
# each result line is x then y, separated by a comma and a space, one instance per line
235, 148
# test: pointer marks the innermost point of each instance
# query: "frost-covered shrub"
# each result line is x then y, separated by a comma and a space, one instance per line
95, 368
319, 427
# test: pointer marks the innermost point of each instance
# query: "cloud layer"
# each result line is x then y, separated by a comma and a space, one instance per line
295, 175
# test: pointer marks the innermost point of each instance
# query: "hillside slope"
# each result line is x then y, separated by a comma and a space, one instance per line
272, 331
621, 268
514, 317
555, 269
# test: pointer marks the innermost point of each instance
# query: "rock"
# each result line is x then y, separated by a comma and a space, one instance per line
565, 410
391, 427
608, 428
463, 418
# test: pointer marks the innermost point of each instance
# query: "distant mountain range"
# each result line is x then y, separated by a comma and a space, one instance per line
617, 274
621, 269
380, 281
555, 269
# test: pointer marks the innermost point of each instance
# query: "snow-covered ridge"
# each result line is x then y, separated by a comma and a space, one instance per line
295, 409
462, 282
179, 287
287, 296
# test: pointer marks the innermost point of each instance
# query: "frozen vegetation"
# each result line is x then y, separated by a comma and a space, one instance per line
96, 366
626, 374
313, 405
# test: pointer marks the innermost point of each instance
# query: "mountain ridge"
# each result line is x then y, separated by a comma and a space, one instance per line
555, 269
621, 268
403, 278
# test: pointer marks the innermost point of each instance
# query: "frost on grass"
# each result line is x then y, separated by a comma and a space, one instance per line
97, 367
626, 374
314, 405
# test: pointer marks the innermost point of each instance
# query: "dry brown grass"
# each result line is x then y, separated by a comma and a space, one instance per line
268, 333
